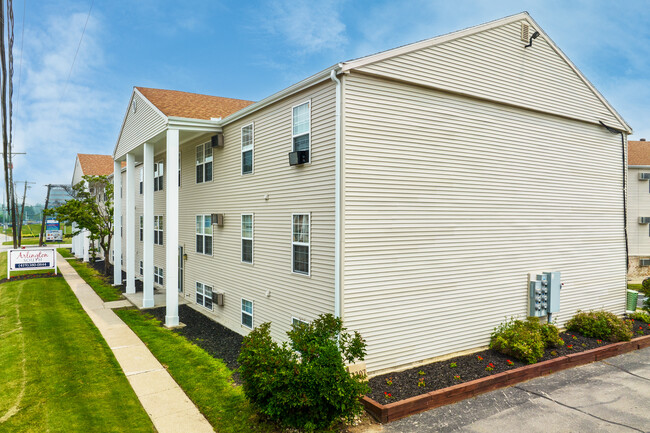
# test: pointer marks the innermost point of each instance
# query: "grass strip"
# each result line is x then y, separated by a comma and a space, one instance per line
99, 283
34, 241
65, 252
58, 373
206, 380
636, 287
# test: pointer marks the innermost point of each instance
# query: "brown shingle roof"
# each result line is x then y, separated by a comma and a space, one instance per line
95, 165
192, 105
638, 153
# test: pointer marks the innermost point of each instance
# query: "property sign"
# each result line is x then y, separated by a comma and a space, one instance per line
52, 225
53, 235
30, 259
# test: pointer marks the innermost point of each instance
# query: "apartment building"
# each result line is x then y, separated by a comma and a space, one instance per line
410, 192
638, 207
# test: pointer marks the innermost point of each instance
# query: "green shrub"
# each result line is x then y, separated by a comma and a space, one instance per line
525, 340
600, 324
304, 385
645, 289
640, 315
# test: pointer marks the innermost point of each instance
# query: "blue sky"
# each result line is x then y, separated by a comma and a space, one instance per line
251, 49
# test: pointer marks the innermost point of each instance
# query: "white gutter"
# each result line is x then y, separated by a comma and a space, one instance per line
337, 198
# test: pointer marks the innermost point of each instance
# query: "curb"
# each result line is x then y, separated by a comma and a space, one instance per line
385, 413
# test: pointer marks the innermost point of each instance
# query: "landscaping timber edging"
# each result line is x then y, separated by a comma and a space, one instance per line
385, 413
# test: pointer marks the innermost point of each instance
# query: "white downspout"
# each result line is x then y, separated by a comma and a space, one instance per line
337, 199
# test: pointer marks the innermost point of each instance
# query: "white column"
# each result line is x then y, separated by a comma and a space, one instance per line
86, 244
130, 223
171, 229
73, 241
117, 223
147, 239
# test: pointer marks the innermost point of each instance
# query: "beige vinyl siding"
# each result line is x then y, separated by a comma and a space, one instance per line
450, 202
638, 206
305, 189
494, 64
140, 126
77, 174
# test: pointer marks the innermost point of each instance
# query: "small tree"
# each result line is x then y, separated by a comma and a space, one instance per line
91, 208
304, 385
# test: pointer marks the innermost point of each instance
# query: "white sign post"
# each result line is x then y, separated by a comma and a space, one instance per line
30, 259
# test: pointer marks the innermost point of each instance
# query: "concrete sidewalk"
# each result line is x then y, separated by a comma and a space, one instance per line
168, 407
605, 396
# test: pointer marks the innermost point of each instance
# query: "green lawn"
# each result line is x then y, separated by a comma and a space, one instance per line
100, 284
34, 241
57, 372
636, 287
65, 252
206, 380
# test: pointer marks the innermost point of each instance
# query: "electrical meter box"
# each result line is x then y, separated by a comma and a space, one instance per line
544, 293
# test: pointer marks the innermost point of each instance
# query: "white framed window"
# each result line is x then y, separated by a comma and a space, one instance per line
141, 179
179, 169
204, 162
247, 313
301, 128
247, 141
204, 295
141, 268
204, 234
295, 321
158, 225
247, 238
158, 275
158, 176
141, 228
121, 226
300, 243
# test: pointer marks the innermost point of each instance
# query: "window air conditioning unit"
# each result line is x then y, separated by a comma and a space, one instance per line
217, 140
644, 262
298, 157
644, 176
644, 220
217, 298
217, 218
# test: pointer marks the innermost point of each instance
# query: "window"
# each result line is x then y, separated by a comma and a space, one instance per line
141, 227
301, 127
141, 178
247, 313
141, 268
247, 149
297, 322
158, 275
121, 226
158, 230
204, 295
179, 169
204, 234
204, 162
158, 176
300, 244
247, 238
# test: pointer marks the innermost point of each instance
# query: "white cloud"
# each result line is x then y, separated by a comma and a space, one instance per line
311, 27
50, 126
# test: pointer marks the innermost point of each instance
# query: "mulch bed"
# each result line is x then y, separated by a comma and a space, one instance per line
441, 374
31, 277
214, 338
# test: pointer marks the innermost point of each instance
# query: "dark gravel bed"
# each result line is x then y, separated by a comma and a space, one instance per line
395, 386
214, 338
31, 277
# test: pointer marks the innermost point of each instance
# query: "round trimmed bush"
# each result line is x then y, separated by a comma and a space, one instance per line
600, 324
524, 340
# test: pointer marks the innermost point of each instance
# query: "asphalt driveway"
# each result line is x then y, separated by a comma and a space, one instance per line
606, 396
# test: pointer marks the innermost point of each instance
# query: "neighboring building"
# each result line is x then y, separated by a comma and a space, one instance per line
411, 192
638, 208
88, 165
58, 196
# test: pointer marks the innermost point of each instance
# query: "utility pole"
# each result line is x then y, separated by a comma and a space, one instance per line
22, 213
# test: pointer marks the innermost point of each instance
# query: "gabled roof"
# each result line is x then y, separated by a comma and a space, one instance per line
95, 165
638, 153
173, 103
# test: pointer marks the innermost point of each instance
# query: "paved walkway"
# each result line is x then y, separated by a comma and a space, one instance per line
605, 396
168, 407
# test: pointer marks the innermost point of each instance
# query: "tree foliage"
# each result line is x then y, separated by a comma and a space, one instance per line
91, 208
305, 384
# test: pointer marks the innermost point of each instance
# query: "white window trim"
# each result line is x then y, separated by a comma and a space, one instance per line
308, 101
252, 313
158, 174
301, 243
203, 294
162, 230
156, 271
141, 228
203, 147
294, 318
252, 147
212, 235
141, 269
252, 238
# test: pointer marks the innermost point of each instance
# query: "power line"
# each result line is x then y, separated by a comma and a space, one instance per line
65, 87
